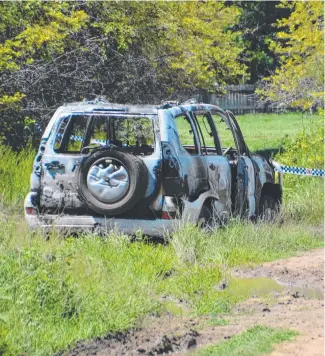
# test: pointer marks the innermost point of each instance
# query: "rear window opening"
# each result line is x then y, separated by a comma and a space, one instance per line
134, 134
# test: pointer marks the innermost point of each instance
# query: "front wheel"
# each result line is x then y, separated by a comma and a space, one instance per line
208, 220
269, 208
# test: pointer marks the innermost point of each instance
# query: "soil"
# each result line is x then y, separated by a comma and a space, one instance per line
294, 307
305, 270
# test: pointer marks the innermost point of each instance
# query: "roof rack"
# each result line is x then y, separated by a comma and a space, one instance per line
166, 104
190, 101
98, 100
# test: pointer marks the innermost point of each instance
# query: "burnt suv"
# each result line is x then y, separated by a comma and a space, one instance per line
108, 166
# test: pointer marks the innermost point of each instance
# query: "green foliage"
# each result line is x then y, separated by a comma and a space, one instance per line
204, 52
15, 170
299, 81
305, 150
52, 53
304, 196
257, 27
41, 31
258, 340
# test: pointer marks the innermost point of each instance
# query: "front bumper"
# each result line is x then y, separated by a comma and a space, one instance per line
88, 223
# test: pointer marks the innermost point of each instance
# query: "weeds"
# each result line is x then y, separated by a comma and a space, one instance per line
15, 169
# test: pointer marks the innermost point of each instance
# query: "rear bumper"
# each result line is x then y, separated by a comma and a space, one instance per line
80, 223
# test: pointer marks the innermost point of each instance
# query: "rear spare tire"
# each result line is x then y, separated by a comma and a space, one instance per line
111, 181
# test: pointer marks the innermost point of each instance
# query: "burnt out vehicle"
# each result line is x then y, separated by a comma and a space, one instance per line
130, 168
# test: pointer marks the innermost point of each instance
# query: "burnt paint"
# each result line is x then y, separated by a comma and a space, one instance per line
171, 166
157, 171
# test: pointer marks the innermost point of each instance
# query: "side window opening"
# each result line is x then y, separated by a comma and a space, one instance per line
99, 132
135, 134
186, 134
60, 133
208, 134
71, 134
225, 134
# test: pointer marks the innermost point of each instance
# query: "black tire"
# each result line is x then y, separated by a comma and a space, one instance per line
207, 220
268, 209
138, 182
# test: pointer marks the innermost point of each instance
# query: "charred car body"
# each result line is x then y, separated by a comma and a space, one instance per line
146, 168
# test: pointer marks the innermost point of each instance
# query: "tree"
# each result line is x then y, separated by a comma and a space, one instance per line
256, 24
30, 33
299, 81
138, 52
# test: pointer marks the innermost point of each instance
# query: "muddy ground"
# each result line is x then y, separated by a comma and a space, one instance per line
298, 306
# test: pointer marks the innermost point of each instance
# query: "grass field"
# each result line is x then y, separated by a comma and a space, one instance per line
57, 291
271, 131
262, 132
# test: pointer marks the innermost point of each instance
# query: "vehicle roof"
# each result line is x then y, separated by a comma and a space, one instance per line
90, 107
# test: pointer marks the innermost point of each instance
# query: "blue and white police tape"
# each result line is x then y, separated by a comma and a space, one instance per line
278, 166
298, 170
80, 139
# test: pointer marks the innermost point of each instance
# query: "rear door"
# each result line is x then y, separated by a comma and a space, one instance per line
245, 204
219, 173
185, 170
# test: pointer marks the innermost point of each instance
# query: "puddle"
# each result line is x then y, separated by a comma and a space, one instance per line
308, 293
260, 286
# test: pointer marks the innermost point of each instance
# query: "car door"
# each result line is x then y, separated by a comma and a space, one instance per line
182, 152
219, 172
245, 203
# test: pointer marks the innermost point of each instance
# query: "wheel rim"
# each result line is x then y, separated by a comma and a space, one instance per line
108, 180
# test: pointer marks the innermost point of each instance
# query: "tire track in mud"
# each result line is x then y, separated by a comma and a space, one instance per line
290, 308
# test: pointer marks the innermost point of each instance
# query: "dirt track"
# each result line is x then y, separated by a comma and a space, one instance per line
294, 308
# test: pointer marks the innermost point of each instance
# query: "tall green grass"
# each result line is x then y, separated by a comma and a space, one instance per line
57, 291
304, 195
15, 170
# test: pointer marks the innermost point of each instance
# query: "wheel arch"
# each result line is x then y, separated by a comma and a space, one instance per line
272, 189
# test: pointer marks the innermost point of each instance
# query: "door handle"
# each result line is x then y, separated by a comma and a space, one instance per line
212, 166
